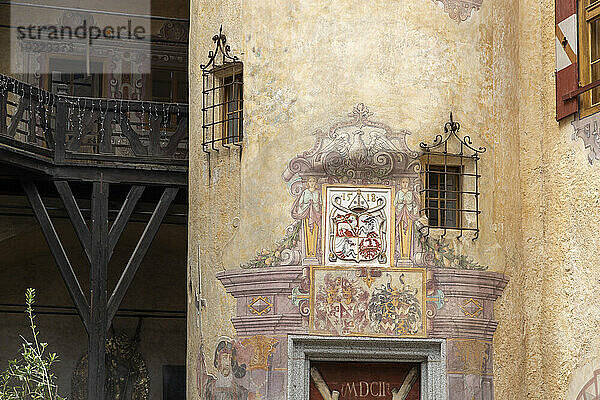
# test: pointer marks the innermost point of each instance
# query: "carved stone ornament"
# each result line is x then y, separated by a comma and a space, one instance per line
460, 10
587, 130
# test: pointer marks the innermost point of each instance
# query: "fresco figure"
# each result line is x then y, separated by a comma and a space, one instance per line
407, 212
224, 386
307, 208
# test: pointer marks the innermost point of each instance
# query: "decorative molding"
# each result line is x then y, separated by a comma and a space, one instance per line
431, 353
471, 308
359, 150
268, 291
460, 10
587, 129
263, 348
468, 310
260, 305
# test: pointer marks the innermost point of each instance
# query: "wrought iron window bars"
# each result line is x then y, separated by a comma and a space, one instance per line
222, 97
458, 195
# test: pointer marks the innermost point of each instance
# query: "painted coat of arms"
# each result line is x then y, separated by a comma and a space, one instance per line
354, 301
358, 226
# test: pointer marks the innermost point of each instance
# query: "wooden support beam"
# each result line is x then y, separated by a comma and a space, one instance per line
180, 133
105, 134
139, 252
154, 135
123, 217
17, 116
3, 112
60, 257
98, 277
81, 228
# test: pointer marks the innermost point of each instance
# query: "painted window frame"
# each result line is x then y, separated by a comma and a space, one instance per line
588, 12
233, 106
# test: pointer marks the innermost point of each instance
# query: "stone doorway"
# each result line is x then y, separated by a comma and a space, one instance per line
340, 358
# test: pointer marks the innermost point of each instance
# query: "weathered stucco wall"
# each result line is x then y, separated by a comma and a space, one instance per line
306, 65
557, 297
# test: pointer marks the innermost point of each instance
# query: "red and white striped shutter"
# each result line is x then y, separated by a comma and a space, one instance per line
566, 57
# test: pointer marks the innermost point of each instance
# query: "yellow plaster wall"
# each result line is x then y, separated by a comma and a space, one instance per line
306, 65
554, 299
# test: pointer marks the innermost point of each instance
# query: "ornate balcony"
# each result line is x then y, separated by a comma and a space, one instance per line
91, 139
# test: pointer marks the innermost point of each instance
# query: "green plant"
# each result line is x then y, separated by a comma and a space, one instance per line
29, 377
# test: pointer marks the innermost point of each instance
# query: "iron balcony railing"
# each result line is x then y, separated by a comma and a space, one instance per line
92, 131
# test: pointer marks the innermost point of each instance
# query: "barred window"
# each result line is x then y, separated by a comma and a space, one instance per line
222, 98
450, 194
442, 200
233, 88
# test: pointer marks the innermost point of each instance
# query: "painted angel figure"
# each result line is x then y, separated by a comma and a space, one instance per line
307, 208
407, 212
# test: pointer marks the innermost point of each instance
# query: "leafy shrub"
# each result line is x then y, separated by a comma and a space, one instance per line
29, 377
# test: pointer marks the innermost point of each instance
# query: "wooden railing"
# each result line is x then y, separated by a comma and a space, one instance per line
78, 130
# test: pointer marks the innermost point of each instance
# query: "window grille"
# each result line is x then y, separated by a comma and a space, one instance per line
222, 97
450, 194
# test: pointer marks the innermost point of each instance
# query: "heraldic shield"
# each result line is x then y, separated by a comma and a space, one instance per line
358, 226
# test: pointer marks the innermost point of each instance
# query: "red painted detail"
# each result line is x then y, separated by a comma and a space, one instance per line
564, 9
566, 82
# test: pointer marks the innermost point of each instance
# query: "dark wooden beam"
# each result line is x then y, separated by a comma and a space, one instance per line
154, 135
17, 116
60, 256
106, 133
123, 217
81, 228
139, 252
140, 175
181, 132
98, 273
59, 132
3, 111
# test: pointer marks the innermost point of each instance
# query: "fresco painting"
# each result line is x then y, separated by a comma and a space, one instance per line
246, 369
353, 262
358, 225
406, 203
226, 384
307, 208
343, 302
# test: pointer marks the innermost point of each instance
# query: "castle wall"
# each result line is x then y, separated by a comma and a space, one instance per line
306, 68
557, 283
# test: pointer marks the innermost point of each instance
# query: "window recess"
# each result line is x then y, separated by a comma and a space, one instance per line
222, 98
450, 174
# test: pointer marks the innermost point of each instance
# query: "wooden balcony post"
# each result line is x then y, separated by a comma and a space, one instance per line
3, 112
98, 296
60, 131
